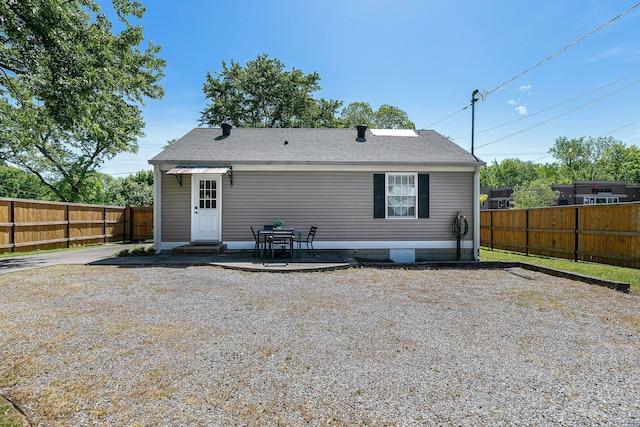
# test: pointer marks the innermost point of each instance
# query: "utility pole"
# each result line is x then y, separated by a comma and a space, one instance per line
475, 97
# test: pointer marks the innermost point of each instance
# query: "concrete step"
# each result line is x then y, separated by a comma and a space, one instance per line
200, 249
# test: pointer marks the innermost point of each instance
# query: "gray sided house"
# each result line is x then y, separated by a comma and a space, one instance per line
389, 194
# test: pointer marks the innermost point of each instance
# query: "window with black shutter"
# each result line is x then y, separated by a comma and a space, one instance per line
400, 195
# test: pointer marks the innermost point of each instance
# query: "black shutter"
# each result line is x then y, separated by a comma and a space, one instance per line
378, 195
423, 195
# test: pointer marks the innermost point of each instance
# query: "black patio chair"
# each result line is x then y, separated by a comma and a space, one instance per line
309, 239
256, 239
282, 239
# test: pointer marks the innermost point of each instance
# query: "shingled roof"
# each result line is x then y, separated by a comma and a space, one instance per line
313, 146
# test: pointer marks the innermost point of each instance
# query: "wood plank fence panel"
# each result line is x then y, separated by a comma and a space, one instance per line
485, 230
115, 222
27, 225
509, 231
141, 223
608, 234
85, 225
6, 223
39, 225
552, 232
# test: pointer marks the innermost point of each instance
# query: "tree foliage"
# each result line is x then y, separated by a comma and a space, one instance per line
71, 88
357, 113
577, 159
264, 94
509, 173
133, 190
585, 159
390, 117
630, 167
385, 117
534, 194
16, 183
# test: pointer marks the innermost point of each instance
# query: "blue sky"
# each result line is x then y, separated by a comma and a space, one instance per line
423, 56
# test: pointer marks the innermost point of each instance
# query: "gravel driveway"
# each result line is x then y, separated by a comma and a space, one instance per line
100, 345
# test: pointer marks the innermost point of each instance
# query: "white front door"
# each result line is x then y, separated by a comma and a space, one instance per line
205, 198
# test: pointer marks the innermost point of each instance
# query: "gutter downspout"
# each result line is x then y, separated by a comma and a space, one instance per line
157, 209
476, 214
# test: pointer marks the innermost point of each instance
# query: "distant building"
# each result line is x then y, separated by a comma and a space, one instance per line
578, 193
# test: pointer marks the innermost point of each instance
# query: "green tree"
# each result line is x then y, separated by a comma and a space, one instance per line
71, 88
550, 172
631, 165
385, 117
535, 194
133, 190
509, 173
358, 113
584, 158
16, 183
264, 94
390, 117
321, 114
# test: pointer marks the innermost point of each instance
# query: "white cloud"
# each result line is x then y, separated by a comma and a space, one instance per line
525, 88
511, 102
521, 110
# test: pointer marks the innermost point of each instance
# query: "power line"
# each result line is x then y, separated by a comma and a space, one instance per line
561, 115
553, 106
563, 49
540, 158
485, 93
620, 128
514, 154
450, 115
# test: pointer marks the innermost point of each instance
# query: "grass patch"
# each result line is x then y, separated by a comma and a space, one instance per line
604, 271
142, 250
9, 417
46, 251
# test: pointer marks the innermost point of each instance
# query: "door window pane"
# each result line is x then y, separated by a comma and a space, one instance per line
207, 194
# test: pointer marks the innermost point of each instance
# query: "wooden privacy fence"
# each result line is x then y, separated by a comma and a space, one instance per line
608, 234
27, 225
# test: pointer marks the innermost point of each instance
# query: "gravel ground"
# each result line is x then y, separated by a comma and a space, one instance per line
206, 346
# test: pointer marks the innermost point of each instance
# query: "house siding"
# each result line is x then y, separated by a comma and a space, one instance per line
341, 206
176, 208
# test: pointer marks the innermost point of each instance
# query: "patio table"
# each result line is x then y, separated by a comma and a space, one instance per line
265, 234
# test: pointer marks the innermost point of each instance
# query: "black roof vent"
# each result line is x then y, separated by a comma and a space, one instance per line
226, 129
361, 131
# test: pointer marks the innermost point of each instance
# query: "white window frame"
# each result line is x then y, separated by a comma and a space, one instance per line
402, 195
593, 200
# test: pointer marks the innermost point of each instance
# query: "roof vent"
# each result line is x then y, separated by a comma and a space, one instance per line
361, 131
226, 129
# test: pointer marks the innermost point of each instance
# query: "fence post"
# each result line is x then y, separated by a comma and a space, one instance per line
67, 227
131, 219
526, 233
491, 226
12, 228
577, 230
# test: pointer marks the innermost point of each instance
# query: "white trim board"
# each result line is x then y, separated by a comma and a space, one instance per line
347, 245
